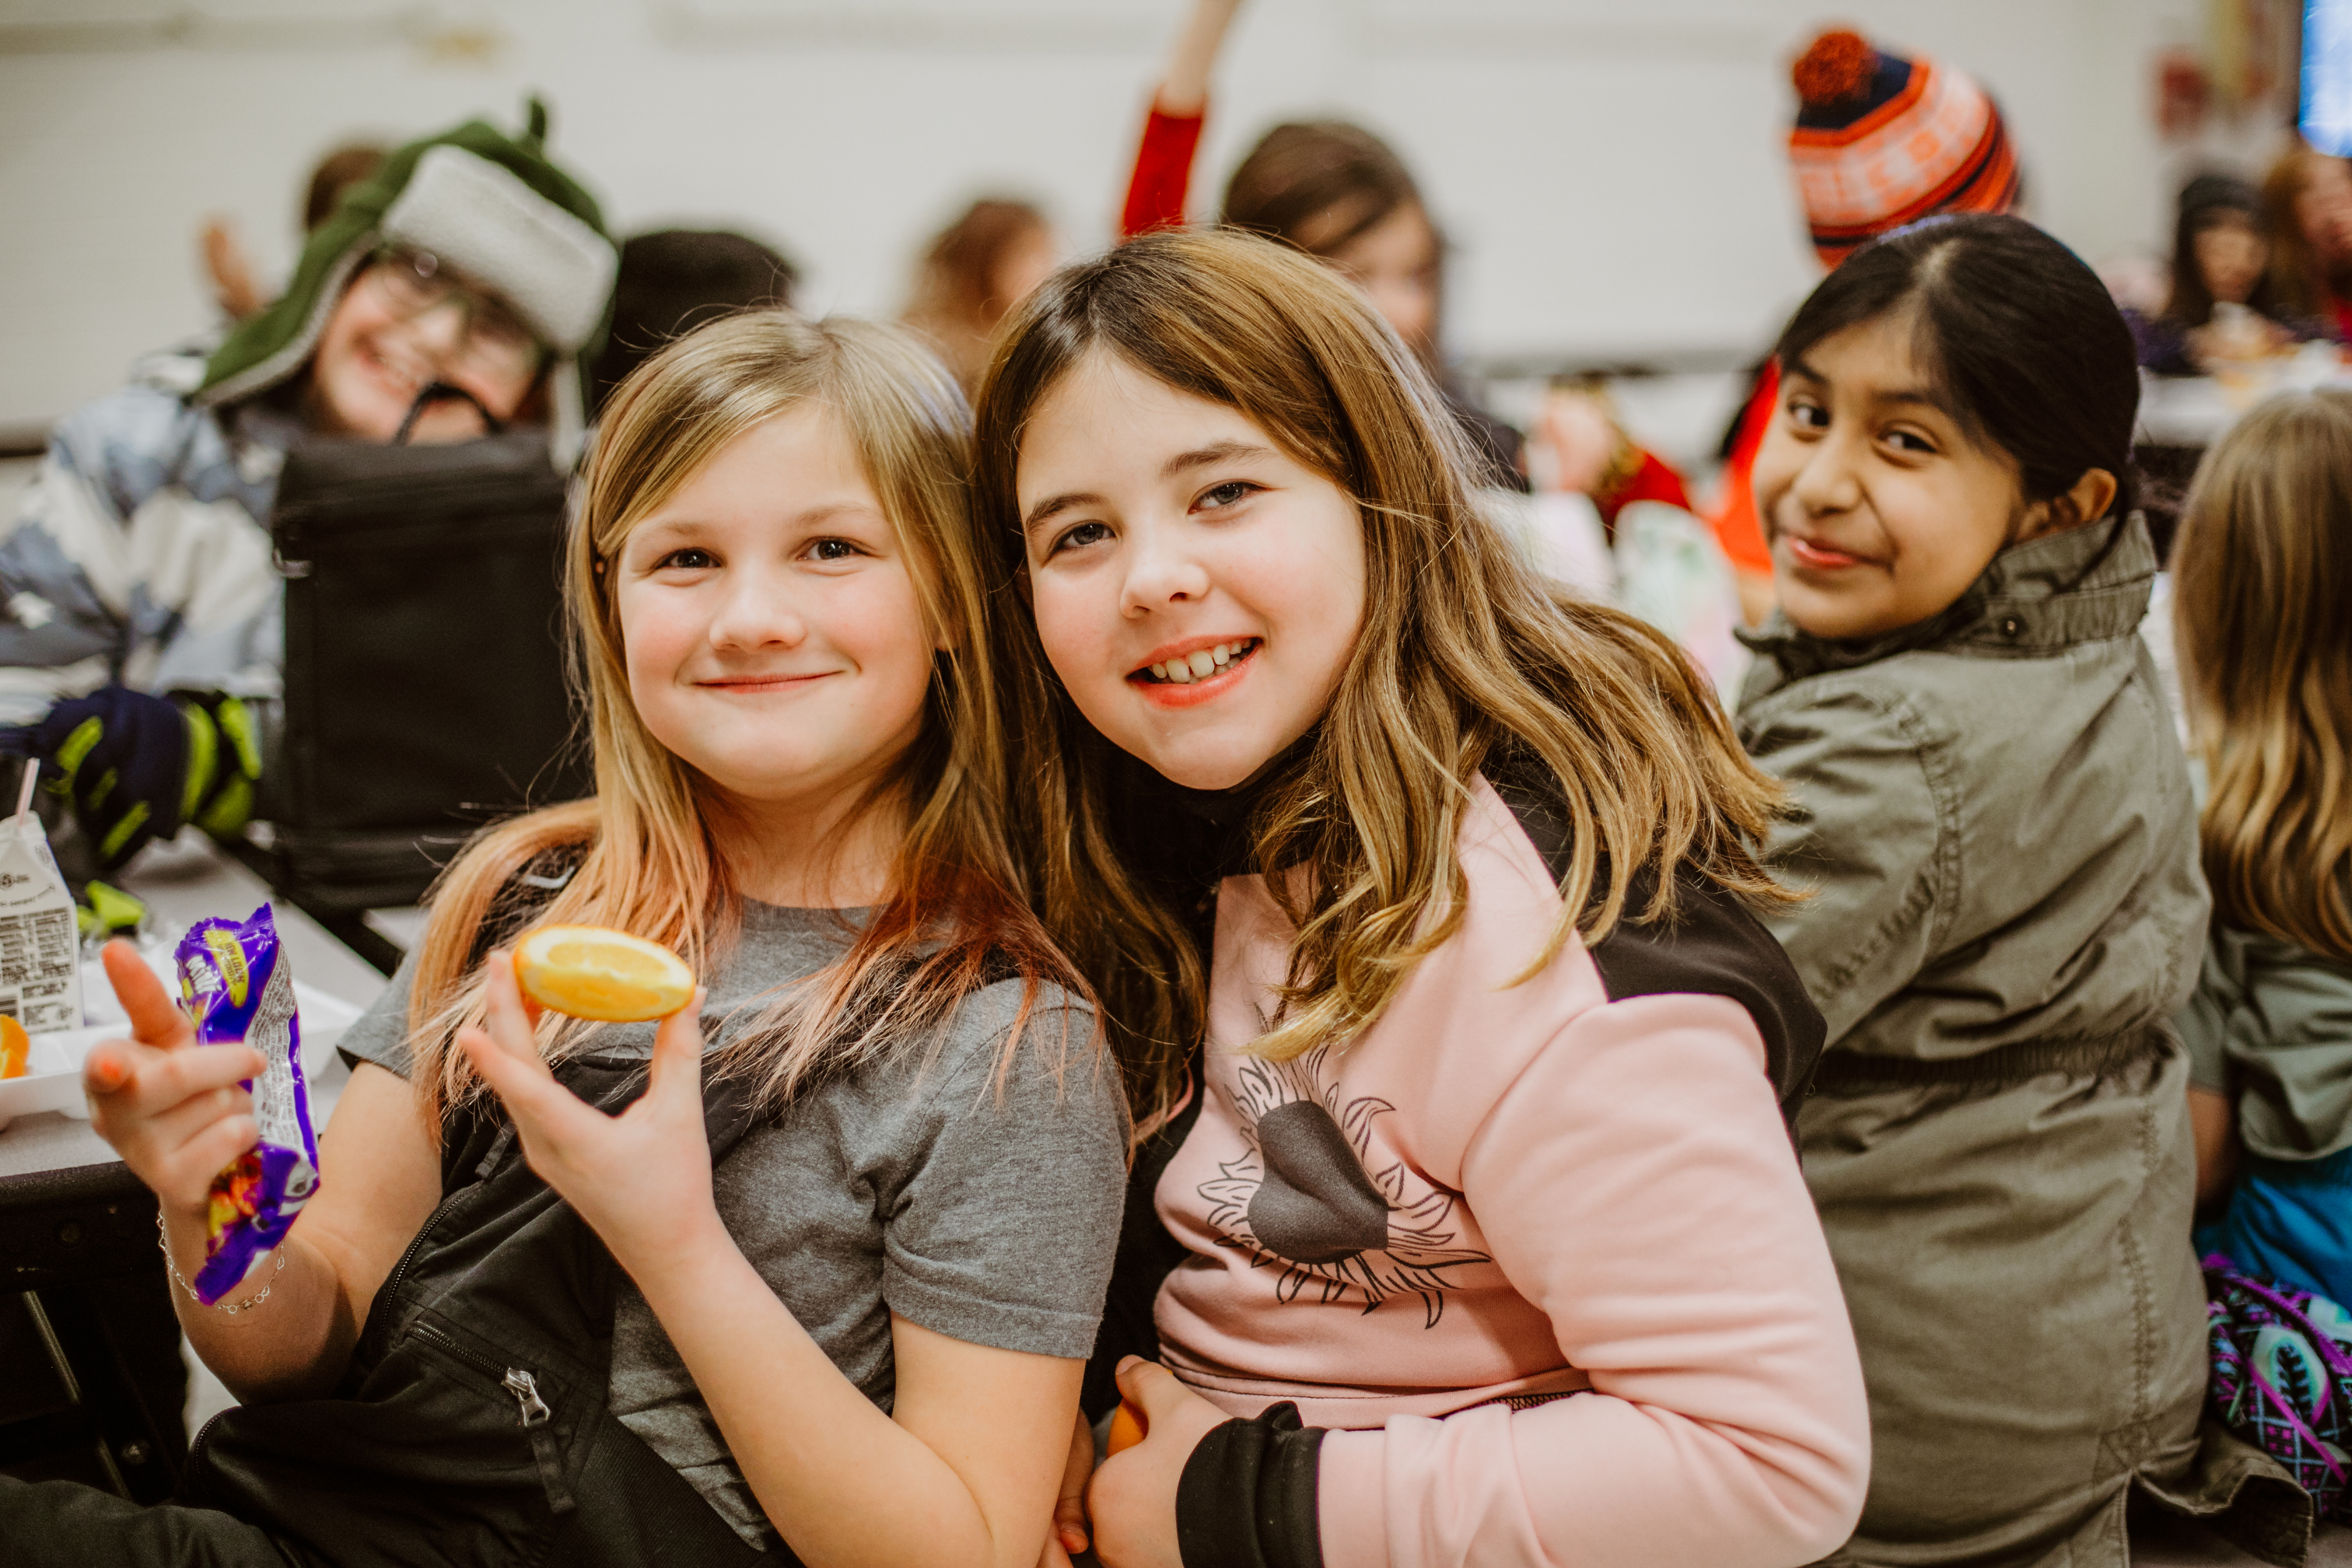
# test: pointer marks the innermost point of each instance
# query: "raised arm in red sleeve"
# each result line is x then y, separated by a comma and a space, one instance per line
1163, 173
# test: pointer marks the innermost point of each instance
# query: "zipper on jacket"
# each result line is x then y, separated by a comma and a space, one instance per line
196, 1448
391, 1289
536, 1417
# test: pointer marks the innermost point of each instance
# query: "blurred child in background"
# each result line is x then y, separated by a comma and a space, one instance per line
2223, 302
972, 272
2261, 579
1993, 819
141, 643
1331, 188
2307, 196
1880, 141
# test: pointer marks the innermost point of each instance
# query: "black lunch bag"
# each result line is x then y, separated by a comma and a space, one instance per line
425, 688
473, 1424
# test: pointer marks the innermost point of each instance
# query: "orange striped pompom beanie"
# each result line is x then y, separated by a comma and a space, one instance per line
1881, 142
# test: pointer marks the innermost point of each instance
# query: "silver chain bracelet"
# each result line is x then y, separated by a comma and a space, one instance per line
164, 1239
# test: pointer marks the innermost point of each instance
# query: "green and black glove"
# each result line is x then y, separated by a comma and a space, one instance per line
136, 766
103, 910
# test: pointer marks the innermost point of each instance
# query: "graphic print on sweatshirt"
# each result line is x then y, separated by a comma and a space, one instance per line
1301, 1198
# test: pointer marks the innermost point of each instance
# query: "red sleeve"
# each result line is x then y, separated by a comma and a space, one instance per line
1163, 170
1737, 526
1653, 479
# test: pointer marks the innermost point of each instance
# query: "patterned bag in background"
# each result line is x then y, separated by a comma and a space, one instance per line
2282, 1377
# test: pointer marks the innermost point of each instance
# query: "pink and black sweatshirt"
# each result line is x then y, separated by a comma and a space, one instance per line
1526, 1273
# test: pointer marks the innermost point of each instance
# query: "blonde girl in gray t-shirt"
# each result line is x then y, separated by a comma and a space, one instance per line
857, 1336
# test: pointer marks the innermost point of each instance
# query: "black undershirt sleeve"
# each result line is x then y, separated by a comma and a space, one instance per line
1247, 1497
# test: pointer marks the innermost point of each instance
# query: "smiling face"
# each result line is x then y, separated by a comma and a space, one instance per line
375, 355
770, 624
1880, 508
1197, 590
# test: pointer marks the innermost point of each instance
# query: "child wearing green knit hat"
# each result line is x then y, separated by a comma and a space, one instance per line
465, 285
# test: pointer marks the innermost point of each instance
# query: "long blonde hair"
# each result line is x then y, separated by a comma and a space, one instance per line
2261, 578
1471, 655
647, 862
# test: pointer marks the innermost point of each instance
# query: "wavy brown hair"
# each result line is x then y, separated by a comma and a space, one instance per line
648, 859
1469, 653
2299, 279
2261, 578
960, 290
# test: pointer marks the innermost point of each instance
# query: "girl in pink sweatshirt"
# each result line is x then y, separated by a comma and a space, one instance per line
1466, 1225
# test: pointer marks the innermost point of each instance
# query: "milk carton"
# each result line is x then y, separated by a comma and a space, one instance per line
40, 948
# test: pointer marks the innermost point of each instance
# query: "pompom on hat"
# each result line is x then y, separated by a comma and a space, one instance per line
1881, 142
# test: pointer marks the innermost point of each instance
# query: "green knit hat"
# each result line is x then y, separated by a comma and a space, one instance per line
491, 206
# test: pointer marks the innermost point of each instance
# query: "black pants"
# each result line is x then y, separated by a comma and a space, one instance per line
65, 1524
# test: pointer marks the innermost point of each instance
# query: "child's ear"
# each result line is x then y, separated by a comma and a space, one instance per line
2087, 501
2094, 493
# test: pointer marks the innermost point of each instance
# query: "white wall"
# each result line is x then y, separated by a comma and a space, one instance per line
1611, 172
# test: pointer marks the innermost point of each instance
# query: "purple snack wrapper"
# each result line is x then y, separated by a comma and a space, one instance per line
235, 986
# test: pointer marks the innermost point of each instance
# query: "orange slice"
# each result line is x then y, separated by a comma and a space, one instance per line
1126, 1429
15, 1048
587, 972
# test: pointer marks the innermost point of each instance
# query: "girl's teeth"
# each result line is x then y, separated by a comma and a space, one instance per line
1192, 666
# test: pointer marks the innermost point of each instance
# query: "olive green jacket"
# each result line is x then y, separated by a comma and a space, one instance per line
1993, 813
1993, 817
2271, 1024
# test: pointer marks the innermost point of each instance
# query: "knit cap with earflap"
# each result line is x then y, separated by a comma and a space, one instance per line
492, 207
1881, 142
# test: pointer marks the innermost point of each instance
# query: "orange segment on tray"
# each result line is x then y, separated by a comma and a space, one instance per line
587, 972
15, 1048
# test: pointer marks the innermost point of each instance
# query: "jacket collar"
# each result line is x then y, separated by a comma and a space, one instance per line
2086, 585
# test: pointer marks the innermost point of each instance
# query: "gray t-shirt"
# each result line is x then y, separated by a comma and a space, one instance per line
909, 1186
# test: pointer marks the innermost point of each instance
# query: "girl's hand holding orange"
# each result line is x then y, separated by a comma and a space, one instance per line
1068, 1537
1133, 1499
642, 1178
176, 1112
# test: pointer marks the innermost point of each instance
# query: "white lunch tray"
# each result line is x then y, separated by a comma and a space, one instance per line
54, 1079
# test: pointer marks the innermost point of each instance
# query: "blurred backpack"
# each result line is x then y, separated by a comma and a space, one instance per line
2281, 1377
425, 688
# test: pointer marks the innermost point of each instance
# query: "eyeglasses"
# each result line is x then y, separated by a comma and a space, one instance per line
413, 283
